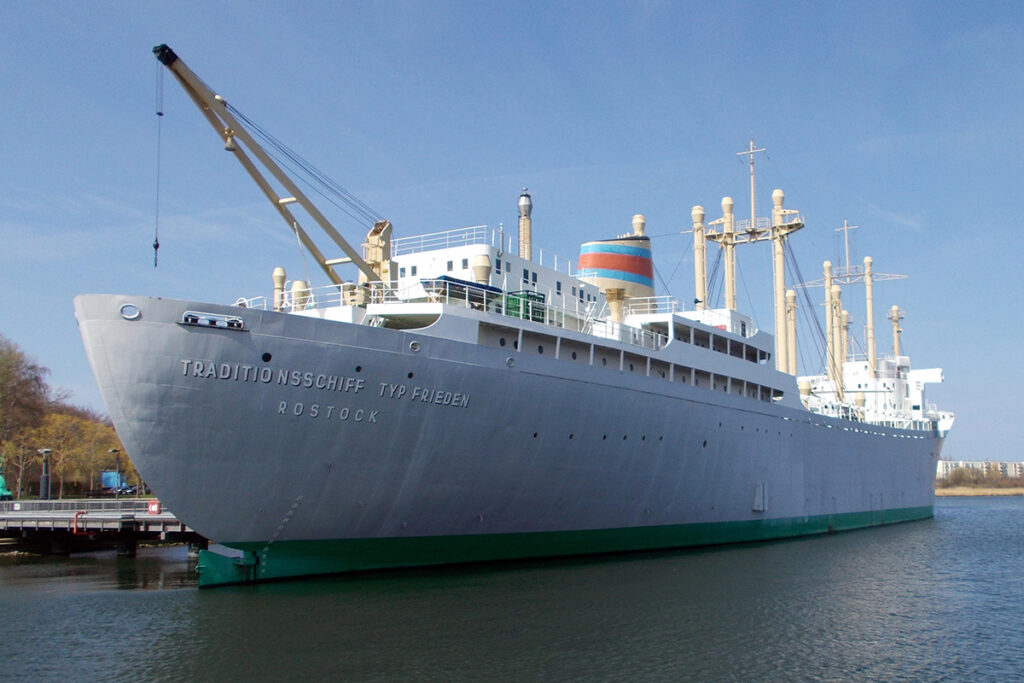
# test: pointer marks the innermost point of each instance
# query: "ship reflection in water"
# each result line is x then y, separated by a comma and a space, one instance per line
938, 599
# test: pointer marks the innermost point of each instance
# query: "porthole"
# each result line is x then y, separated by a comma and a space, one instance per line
705, 443
359, 368
130, 312
631, 367
510, 361
414, 346
570, 437
604, 438
410, 375
540, 349
535, 435
266, 357
604, 361
501, 342
574, 355
515, 344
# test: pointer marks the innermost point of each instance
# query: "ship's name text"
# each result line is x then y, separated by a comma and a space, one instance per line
424, 395
238, 372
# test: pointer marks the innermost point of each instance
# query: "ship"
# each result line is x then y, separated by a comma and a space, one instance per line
466, 399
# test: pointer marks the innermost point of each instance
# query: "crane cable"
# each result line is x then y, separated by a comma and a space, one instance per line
159, 128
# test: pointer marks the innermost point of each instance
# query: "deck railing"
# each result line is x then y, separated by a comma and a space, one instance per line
476, 234
460, 237
525, 305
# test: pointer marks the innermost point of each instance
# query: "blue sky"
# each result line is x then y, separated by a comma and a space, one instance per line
903, 118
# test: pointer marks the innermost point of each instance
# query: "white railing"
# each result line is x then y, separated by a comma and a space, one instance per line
760, 223
476, 234
653, 304
523, 305
459, 237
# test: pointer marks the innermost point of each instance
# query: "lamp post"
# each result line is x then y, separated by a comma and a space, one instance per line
44, 477
117, 469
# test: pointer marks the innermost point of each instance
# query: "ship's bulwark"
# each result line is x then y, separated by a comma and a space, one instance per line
318, 446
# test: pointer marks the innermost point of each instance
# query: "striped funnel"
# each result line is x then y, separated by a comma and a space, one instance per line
622, 263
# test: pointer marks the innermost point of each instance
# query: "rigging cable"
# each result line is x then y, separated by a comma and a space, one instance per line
750, 301
714, 289
819, 338
667, 283
159, 129
313, 177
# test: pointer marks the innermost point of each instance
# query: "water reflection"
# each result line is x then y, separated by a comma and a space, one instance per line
930, 600
154, 568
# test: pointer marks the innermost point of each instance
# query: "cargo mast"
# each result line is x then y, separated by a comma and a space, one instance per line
733, 232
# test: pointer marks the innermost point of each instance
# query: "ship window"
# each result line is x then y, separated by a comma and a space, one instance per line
465, 263
526, 275
450, 266
558, 287
574, 291
508, 267
401, 272
412, 271
534, 277
501, 341
498, 264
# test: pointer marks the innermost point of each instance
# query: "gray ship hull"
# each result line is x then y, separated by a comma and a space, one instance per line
318, 446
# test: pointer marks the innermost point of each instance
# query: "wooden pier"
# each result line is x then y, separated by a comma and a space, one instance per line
77, 525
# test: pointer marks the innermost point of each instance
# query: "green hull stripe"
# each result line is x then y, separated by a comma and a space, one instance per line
289, 559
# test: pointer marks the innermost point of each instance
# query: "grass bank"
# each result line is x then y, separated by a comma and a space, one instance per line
979, 491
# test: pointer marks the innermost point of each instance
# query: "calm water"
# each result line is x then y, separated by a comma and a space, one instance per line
935, 600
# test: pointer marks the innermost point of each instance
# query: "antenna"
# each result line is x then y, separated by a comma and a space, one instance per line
846, 240
751, 151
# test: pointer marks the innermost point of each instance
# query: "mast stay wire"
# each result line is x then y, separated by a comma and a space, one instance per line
665, 283
817, 332
750, 300
714, 284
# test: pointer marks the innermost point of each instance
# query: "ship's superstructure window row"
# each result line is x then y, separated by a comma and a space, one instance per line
571, 350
